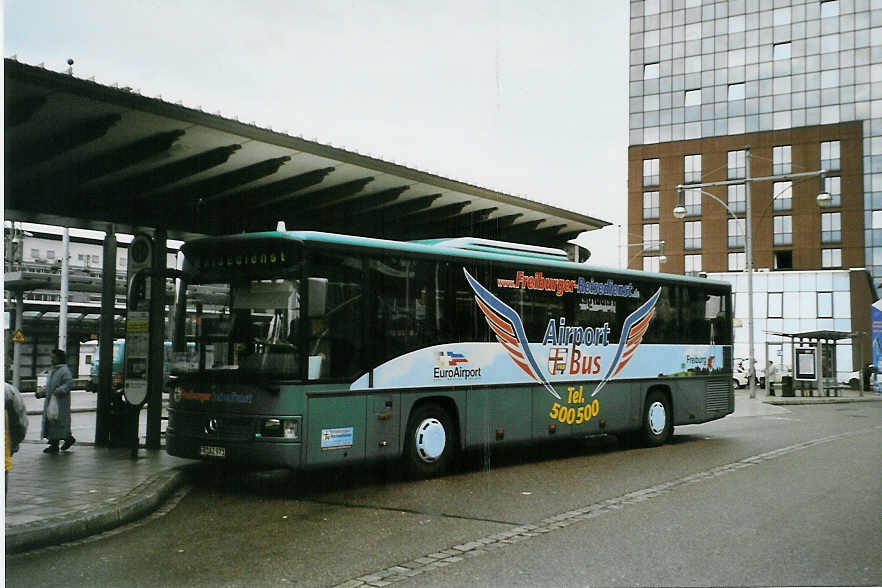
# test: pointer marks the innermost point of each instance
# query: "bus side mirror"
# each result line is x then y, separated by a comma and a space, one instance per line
318, 296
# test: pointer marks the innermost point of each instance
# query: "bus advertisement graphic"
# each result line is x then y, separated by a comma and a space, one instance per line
566, 355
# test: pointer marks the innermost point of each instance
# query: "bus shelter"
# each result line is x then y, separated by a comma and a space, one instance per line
83, 154
814, 362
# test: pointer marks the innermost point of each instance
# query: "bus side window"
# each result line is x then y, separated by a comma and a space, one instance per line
334, 319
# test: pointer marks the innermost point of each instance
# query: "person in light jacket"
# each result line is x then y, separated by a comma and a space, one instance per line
16, 421
58, 385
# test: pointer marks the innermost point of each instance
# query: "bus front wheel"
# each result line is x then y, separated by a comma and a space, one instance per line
430, 441
658, 424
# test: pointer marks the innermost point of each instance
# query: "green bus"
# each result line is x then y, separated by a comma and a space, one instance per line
306, 349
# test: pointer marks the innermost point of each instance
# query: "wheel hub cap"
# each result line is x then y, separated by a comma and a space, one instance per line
657, 418
430, 440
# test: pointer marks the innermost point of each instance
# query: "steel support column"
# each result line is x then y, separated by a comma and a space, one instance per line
105, 339
156, 359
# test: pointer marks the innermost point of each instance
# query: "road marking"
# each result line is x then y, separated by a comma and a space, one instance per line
517, 534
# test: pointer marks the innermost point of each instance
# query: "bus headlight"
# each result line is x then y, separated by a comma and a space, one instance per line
280, 428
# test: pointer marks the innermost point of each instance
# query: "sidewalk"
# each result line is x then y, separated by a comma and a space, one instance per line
54, 498
86, 490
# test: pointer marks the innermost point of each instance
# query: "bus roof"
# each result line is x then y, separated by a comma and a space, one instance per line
461, 248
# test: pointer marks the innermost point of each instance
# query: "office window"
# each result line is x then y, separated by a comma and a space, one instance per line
781, 16
35, 253
831, 227
735, 231
692, 234
782, 259
736, 24
736, 262
735, 58
776, 304
650, 237
50, 254
782, 195
692, 168
692, 98
693, 264
831, 258
650, 172
781, 51
783, 230
833, 186
692, 201
825, 304
782, 159
830, 8
877, 219
736, 197
650, 71
830, 155
830, 43
651, 263
94, 260
736, 92
650, 205
735, 165
80, 257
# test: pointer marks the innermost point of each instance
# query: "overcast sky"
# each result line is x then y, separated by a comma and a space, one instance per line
524, 97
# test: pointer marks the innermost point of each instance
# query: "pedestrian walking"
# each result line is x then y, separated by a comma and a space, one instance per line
15, 417
771, 377
56, 406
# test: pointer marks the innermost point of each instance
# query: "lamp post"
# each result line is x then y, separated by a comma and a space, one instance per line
823, 198
662, 258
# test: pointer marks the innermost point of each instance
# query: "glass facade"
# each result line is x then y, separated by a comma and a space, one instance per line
705, 68
790, 302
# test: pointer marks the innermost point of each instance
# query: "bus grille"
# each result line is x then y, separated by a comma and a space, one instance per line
223, 427
717, 395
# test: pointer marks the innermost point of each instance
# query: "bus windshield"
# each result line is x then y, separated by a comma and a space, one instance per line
250, 326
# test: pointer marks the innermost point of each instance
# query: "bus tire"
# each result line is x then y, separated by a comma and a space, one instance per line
430, 442
658, 424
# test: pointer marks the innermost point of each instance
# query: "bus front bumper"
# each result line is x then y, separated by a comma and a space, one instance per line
270, 453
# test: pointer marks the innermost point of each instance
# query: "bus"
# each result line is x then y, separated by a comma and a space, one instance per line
308, 349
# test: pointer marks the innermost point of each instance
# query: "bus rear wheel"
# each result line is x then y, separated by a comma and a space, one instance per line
430, 442
658, 424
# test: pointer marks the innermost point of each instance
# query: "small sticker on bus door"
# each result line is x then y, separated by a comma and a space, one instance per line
340, 438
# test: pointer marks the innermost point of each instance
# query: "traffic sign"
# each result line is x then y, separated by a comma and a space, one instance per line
18, 337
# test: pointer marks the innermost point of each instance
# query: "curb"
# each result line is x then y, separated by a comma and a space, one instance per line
73, 410
820, 400
137, 503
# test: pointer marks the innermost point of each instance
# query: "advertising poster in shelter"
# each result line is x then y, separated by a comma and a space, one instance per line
877, 344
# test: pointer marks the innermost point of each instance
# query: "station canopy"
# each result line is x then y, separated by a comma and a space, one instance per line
83, 154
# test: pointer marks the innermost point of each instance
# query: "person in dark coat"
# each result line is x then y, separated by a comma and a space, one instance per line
58, 385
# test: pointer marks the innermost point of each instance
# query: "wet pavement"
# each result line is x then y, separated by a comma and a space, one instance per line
55, 498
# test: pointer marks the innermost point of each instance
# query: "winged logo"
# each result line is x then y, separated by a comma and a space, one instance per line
509, 330
632, 335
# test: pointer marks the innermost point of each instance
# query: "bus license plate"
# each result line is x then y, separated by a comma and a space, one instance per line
212, 451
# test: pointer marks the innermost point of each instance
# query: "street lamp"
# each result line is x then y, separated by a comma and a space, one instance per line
662, 258
823, 198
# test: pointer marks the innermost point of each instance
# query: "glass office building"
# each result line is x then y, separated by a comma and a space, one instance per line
793, 85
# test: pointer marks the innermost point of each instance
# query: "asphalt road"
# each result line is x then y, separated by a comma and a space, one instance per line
790, 499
